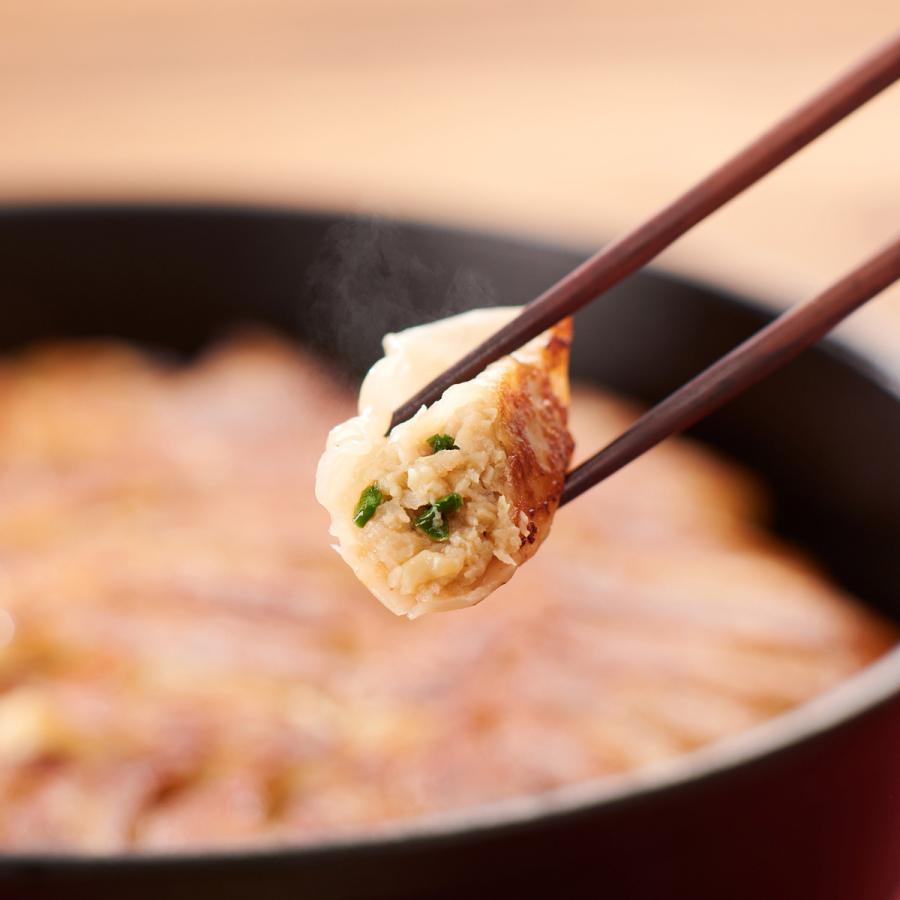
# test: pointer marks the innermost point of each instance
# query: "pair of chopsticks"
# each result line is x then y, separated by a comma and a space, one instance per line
760, 355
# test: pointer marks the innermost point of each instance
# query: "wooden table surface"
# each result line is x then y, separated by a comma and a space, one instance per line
552, 117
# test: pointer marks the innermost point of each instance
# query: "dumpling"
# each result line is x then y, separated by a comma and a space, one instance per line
443, 510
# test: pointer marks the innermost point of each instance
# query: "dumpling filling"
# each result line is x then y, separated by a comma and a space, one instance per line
442, 511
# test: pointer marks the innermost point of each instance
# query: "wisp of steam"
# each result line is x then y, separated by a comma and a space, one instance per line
367, 280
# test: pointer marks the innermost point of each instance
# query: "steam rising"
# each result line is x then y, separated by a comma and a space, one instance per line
367, 280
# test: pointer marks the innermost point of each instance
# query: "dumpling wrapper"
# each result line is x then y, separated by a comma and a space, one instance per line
509, 424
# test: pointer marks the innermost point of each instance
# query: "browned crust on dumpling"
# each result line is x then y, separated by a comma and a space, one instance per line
532, 427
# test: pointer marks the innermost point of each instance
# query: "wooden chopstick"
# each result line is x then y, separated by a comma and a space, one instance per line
622, 257
758, 356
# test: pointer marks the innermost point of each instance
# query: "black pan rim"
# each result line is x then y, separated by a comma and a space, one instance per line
858, 696
838, 348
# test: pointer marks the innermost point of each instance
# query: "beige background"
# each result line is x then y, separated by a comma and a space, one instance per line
553, 117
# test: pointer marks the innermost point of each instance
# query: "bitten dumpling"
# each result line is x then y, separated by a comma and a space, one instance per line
443, 510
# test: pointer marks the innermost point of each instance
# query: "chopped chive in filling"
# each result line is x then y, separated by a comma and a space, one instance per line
439, 442
369, 500
433, 520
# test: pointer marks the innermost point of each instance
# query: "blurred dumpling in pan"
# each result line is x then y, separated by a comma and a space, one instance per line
441, 512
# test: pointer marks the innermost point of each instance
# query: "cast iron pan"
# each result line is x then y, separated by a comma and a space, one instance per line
806, 807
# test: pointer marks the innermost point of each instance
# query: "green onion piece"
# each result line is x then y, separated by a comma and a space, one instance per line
433, 520
441, 442
369, 500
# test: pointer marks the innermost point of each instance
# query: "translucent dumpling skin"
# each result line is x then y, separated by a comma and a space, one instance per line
442, 511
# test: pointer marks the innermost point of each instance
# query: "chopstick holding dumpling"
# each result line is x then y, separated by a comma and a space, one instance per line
443, 510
